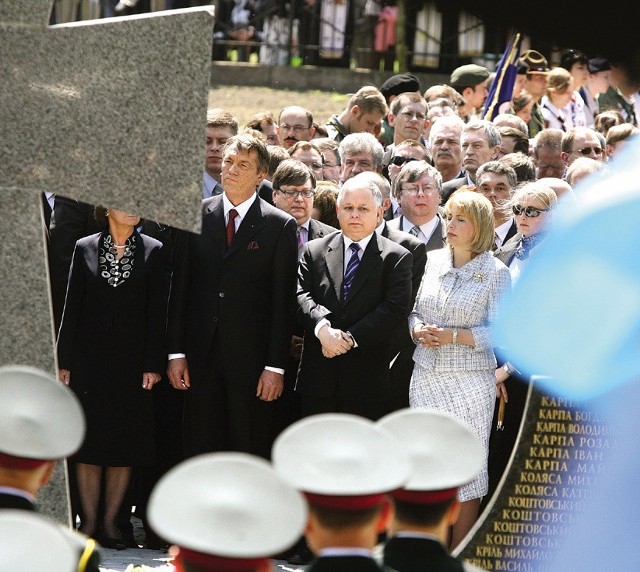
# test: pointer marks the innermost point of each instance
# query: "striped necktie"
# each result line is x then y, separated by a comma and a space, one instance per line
350, 272
415, 231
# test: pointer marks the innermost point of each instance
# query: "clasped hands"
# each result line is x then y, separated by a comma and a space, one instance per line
334, 342
430, 335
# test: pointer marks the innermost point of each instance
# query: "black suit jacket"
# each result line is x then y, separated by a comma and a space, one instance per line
451, 186
344, 564
70, 221
401, 338
318, 229
418, 555
378, 302
243, 293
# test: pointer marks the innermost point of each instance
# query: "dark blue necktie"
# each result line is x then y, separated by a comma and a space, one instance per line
350, 272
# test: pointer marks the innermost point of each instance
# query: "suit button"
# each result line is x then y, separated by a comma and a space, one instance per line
221, 294
343, 317
215, 318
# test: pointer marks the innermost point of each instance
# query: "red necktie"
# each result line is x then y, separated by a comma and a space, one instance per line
231, 226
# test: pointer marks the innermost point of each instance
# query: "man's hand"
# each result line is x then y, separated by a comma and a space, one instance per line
295, 349
333, 341
178, 373
149, 379
270, 385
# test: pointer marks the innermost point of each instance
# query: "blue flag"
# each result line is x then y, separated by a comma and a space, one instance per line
502, 86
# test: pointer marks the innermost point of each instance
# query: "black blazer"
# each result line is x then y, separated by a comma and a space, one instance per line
129, 319
344, 564
244, 292
407, 554
318, 229
378, 302
451, 186
70, 221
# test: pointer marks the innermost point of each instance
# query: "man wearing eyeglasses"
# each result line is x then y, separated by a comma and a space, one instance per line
581, 142
295, 124
403, 153
293, 191
418, 189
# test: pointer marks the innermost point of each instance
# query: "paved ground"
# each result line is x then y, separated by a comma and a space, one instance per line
120, 560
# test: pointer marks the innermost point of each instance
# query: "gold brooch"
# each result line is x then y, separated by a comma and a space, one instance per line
478, 276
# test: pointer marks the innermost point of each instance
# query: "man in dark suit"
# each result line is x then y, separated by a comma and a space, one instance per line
41, 421
354, 287
294, 188
418, 190
229, 327
66, 221
497, 181
400, 345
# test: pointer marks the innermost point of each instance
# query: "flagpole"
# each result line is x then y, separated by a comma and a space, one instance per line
512, 51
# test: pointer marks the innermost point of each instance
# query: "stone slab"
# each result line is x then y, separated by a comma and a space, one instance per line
109, 112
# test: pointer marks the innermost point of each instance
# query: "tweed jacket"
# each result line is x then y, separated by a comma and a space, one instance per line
466, 297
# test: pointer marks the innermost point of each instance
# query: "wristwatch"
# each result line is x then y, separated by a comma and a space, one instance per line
508, 368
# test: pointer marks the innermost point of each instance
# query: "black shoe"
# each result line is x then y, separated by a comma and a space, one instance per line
112, 543
109, 542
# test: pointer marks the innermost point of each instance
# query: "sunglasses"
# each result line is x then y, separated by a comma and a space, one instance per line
589, 150
399, 161
529, 212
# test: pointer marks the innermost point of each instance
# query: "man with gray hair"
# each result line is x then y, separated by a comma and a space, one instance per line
354, 287
480, 141
359, 152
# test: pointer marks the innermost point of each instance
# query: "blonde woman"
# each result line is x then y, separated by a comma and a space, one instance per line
454, 368
555, 104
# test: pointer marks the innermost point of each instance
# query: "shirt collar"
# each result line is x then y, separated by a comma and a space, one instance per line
427, 228
241, 209
363, 243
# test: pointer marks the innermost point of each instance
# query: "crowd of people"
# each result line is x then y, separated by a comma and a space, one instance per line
350, 267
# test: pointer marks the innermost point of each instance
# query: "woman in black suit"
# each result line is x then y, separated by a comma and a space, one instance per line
111, 353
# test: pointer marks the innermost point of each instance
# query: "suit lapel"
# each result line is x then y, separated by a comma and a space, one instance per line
334, 260
213, 224
437, 238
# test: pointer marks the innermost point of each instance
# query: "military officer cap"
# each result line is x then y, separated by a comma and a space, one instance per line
535, 61
40, 418
341, 461
30, 543
445, 454
399, 83
468, 75
226, 511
